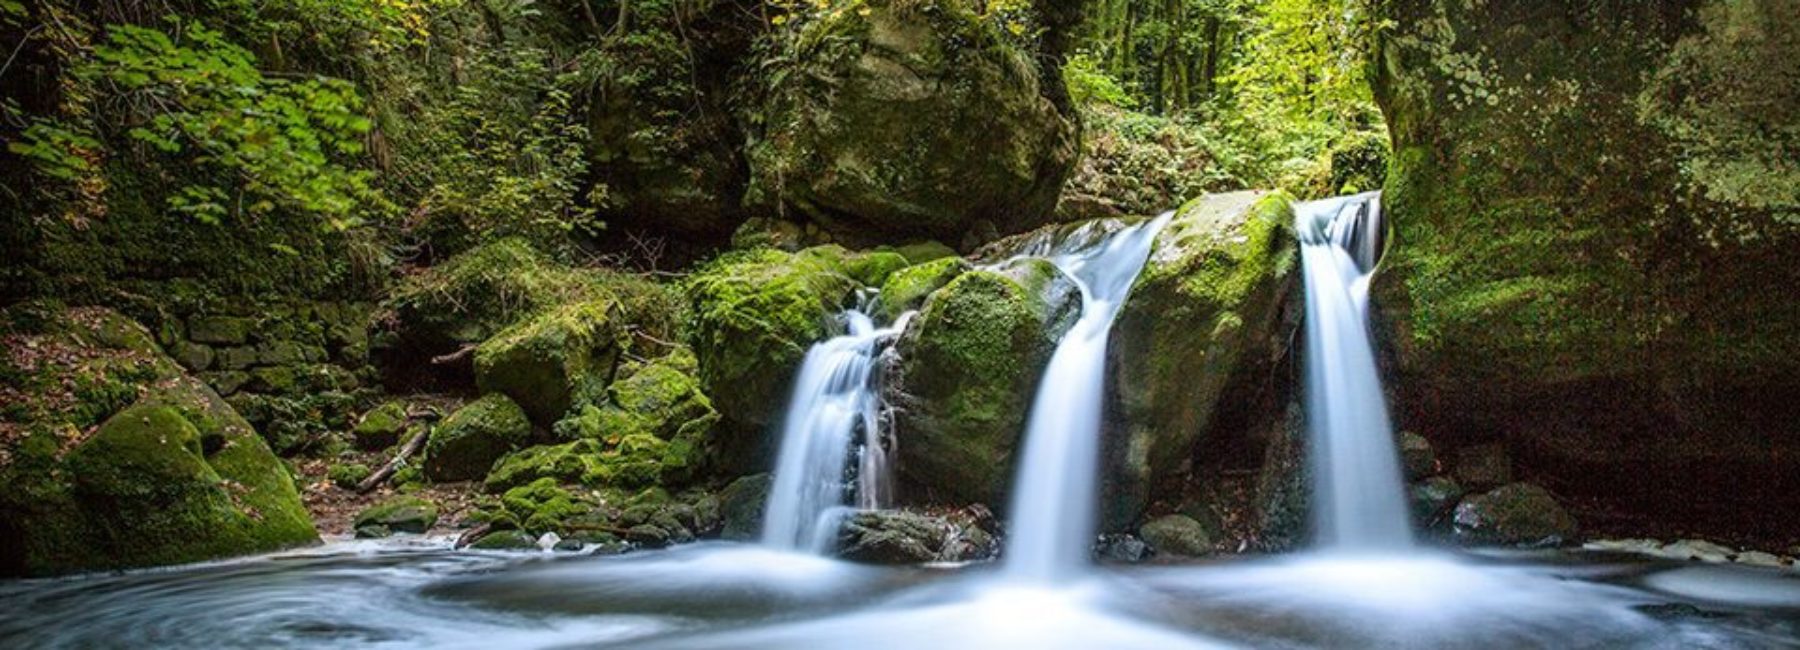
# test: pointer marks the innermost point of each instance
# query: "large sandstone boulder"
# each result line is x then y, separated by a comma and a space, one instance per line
968, 369
1594, 245
870, 125
1194, 347
113, 458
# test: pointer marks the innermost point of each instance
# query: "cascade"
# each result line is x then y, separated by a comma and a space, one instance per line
1359, 503
832, 424
1055, 497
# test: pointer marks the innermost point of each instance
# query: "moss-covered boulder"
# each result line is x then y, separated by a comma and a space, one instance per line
430, 319
115, 459
741, 504
1178, 535
753, 316
969, 367
403, 514
347, 475
907, 288
566, 462
381, 427
1519, 513
1593, 255
466, 444
656, 425
1193, 348
544, 362
871, 115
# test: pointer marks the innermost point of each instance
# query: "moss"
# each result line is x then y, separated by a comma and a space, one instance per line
544, 362
1203, 319
404, 514
468, 442
505, 540
907, 288
753, 315
870, 114
381, 427
347, 475
925, 251
873, 268
543, 506
969, 365
566, 462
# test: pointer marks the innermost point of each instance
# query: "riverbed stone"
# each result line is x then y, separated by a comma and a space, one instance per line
402, 514
1515, 514
1178, 535
466, 444
506, 540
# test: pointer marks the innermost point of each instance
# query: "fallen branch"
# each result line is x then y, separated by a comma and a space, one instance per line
454, 357
380, 476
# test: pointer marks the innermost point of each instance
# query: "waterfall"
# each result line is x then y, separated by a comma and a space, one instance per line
1359, 504
832, 424
1055, 498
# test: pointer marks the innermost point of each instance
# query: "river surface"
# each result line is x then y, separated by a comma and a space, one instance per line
419, 593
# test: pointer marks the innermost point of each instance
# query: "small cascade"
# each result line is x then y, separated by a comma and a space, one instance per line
1359, 502
1054, 500
832, 453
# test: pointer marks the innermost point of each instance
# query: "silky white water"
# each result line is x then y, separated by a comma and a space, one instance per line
1359, 504
834, 415
1055, 496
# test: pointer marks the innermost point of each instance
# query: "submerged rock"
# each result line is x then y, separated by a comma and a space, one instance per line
870, 130
468, 442
968, 368
1195, 344
1520, 513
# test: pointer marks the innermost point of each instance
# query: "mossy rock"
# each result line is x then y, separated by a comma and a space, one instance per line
544, 505
1515, 514
741, 505
1194, 345
506, 540
381, 427
907, 288
544, 362
1584, 261
566, 463
969, 367
1178, 535
656, 425
468, 442
403, 514
754, 315
870, 128
347, 475
170, 473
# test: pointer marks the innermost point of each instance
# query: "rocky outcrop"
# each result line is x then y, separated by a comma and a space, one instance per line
906, 537
114, 458
871, 116
1194, 348
1587, 266
968, 368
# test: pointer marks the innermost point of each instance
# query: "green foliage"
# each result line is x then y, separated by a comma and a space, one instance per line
1090, 84
271, 142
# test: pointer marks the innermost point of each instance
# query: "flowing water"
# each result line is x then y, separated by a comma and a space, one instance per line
832, 422
1360, 505
1366, 587
1054, 498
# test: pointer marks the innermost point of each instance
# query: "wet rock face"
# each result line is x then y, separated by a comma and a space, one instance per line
1204, 321
1529, 298
968, 368
1515, 514
871, 127
741, 504
907, 537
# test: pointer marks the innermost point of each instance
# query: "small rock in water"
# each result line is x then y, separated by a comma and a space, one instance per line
1518, 514
506, 540
1122, 548
549, 541
1177, 535
1433, 498
1698, 549
1759, 558
893, 537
